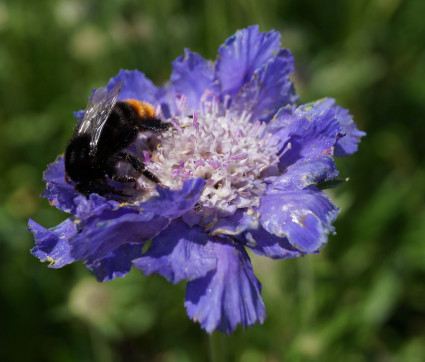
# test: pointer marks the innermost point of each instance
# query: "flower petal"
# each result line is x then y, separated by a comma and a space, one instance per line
263, 243
227, 296
192, 75
235, 224
307, 131
241, 55
269, 88
303, 217
94, 205
245, 228
175, 203
347, 144
116, 264
103, 232
135, 86
53, 245
179, 253
60, 193
304, 173
167, 99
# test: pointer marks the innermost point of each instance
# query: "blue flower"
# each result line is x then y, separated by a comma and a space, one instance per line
242, 168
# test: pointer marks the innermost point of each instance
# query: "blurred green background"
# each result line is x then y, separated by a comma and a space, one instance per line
362, 299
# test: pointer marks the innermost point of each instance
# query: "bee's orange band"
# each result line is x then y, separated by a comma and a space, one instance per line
143, 109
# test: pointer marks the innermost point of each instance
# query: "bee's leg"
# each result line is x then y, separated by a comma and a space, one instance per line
155, 125
124, 178
139, 167
149, 175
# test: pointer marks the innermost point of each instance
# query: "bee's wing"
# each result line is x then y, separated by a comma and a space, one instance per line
97, 112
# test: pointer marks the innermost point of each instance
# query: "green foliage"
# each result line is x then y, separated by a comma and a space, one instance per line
362, 299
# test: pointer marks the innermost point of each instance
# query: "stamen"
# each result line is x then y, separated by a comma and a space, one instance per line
284, 150
214, 163
195, 121
158, 111
228, 151
147, 158
182, 102
199, 163
208, 93
226, 101
255, 127
239, 157
173, 122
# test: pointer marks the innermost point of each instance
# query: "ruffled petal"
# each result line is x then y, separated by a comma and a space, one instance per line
263, 243
179, 253
168, 100
347, 145
175, 203
60, 193
235, 224
192, 75
303, 217
269, 88
306, 132
241, 55
245, 228
227, 296
305, 173
103, 232
135, 86
117, 263
94, 205
53, 245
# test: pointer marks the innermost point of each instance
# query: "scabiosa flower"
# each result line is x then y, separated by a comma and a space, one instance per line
241, 168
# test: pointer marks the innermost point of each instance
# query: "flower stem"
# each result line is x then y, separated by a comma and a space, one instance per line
217, 347
101, 349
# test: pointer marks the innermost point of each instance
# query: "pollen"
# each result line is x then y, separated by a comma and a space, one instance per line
51, 260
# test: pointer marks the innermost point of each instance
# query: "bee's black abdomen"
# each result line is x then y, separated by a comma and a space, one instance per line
78, 161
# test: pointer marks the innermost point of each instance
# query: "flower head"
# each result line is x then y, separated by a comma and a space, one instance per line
240, 167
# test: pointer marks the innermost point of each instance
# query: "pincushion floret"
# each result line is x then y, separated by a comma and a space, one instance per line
228, 151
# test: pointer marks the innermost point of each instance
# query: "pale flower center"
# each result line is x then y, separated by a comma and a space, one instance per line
229, 152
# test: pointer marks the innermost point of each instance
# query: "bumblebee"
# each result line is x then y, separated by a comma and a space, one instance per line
106, 130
